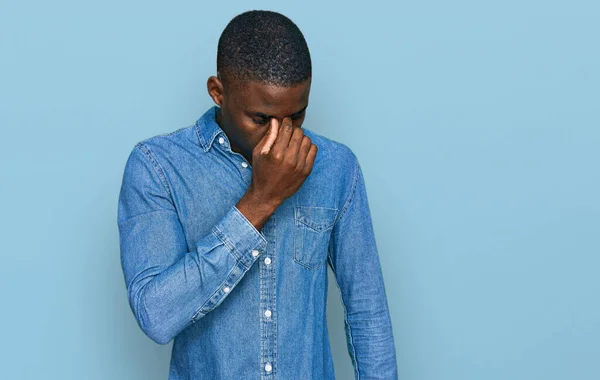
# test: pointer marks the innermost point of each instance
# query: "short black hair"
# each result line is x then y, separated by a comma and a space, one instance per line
263, 46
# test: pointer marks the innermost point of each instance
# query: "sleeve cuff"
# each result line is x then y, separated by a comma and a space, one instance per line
241, 237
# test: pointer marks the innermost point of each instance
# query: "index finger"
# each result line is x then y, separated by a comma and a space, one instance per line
271, 136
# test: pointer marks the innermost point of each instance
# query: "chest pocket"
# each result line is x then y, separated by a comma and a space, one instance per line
312, 231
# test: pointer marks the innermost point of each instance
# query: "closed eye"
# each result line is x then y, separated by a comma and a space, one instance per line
298, 115
259, 121
262, 119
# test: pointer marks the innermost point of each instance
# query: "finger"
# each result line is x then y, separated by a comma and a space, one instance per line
310, 159
285, 132
269, 139
295, 142
303, 151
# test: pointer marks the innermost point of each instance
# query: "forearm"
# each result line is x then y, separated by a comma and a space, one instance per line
165, 300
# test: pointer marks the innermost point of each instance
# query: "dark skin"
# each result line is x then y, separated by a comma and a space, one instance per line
263, 123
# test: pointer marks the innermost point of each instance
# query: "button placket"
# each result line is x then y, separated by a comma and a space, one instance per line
268, 302
243, 163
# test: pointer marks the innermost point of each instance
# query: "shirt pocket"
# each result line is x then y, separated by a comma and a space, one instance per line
312, 231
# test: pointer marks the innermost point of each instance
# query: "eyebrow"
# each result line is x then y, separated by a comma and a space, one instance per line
265, 116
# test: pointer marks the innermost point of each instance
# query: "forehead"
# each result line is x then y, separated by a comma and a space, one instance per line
271, 99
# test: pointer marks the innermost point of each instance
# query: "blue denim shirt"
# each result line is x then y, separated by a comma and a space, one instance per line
241, 303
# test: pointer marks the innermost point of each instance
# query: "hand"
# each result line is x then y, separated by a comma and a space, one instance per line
281, 161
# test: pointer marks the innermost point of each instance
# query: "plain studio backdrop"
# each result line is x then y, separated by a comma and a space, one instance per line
476, 124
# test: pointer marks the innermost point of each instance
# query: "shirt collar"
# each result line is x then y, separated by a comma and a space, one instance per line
207, 128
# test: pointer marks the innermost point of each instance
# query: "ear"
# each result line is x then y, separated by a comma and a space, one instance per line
215, 89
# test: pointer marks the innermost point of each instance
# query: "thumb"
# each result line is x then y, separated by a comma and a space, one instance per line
269, 139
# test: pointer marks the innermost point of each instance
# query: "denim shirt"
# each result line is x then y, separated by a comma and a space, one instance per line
241, 303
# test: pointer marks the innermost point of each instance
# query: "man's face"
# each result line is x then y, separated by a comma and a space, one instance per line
246, 109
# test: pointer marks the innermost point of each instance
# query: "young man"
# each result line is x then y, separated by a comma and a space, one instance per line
227, 226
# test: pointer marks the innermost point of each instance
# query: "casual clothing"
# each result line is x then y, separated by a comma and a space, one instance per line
239, 303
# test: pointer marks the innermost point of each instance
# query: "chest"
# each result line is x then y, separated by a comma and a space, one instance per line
300, 228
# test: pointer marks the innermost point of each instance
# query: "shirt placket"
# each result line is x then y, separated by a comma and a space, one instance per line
268, 312
267, 279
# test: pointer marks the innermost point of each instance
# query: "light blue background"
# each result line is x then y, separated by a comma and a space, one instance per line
476, 123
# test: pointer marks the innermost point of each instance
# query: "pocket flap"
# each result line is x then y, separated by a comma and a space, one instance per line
317, 218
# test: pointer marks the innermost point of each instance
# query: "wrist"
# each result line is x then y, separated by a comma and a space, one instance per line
260, 201
256, 208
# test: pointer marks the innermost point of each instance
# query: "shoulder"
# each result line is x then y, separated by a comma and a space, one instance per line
170, 144
181, 136
335, 170
157, 155
332, 154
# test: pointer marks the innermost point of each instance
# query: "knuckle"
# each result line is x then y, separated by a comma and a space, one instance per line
277, 156
290, 163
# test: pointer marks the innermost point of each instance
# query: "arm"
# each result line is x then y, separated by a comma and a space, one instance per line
169, 287
355, 262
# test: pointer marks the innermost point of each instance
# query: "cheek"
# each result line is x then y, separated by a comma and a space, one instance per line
257, 136
249, 133
260, 135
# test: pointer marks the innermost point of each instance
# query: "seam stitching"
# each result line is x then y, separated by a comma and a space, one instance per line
351, 196
157, 167
351, 340
230, 247
208, 310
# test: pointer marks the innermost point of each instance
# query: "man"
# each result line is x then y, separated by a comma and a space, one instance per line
226, 226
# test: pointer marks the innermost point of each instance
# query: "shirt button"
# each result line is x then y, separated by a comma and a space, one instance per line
268, 367
221, 140
267, 261
268, 313
244, 164
226, 289
254, 253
